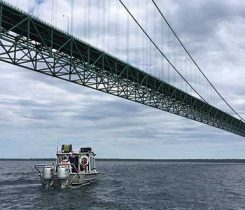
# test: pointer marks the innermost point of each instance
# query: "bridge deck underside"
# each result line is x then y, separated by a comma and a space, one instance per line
30, 43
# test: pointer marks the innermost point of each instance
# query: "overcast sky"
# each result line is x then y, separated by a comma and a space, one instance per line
37, 111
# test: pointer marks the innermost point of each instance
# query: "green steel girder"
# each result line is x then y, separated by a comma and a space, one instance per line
28, 42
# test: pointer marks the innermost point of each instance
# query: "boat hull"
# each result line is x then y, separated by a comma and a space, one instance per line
74, 179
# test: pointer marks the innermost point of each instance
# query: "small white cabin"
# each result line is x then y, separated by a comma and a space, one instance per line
82, 161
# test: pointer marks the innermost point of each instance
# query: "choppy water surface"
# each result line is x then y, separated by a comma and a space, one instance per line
130, 185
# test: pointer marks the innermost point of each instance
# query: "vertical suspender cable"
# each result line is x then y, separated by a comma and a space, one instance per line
127, 37
155, 61
29, 6
150, 48
52, 12
88, 27
55, 12
97, 22
161, 40
37, 11
148, 53
72, 16
109, 24
135, 35
115, 29
169, 46
89, 19
103, 33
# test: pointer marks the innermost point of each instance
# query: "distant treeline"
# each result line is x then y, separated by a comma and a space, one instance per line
27, 159
139, 160
180, 160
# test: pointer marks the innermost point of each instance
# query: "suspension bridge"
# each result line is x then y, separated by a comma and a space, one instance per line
158, 76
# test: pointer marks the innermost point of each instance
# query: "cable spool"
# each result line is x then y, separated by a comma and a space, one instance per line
66, 148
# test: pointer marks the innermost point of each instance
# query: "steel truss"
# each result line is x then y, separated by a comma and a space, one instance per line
28, 42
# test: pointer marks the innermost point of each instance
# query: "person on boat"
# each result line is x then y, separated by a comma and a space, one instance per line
72, 160
65, 162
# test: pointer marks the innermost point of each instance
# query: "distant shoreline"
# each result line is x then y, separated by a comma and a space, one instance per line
138, 160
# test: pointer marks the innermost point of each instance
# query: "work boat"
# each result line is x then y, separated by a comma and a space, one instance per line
71, 168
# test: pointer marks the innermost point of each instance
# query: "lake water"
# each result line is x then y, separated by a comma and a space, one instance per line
130, 185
